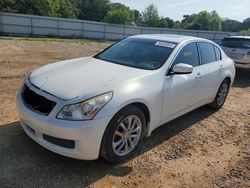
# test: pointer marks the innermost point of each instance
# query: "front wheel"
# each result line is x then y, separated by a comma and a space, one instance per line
221, 95
123, 134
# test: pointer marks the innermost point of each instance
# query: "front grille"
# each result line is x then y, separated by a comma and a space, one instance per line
60, 142
37, 102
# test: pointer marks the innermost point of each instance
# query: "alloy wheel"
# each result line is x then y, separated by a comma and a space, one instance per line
127, 135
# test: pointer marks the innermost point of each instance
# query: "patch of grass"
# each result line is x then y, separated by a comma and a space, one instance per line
44, 39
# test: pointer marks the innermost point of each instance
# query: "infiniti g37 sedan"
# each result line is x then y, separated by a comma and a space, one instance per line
104, 105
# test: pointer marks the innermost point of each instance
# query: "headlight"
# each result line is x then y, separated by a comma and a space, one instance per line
85, 110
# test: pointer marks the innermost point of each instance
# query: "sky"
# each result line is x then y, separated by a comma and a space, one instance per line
175, 9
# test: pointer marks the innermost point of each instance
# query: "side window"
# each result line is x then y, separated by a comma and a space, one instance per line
188, 55
217, 53
207, 53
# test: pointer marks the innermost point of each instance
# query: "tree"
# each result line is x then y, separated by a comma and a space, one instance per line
8, 6
119, 16
231, 25
171, 22
92, 9
150, 16
246, 24
187, 19
138, 17
67, 9
202, 21
215, 21
36, 7
246, 31
177, 25
163, 23
117, 6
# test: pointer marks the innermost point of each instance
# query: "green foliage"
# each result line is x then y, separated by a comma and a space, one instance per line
119, 16
177, 25
8, 6
36, 7
163, 22
150, 16
246, 24
215, 21
202, 21
92, 9
66, 9
245, 31
171, 22
138, 17
231, 25
117, 6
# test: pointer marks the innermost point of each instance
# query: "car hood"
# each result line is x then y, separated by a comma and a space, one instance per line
76, 77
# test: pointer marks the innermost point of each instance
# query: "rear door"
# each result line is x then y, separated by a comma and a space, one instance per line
212, 66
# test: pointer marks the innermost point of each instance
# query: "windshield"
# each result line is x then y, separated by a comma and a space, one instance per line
236, 43
138, 52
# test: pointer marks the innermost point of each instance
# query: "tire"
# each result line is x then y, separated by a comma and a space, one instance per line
221, 95
116, 137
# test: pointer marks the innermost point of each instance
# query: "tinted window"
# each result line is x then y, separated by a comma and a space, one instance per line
188, 55
236, 43
207, 53
217, 53
138, 52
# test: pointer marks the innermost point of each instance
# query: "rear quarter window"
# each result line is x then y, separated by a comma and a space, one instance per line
217, 53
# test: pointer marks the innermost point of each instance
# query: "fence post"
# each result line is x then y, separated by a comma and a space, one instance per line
58, 32
1, 23
124, 28
82, 30
214, 36
104, 31
161, 30
31, 27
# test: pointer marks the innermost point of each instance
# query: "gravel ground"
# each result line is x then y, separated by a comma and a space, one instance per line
201, 149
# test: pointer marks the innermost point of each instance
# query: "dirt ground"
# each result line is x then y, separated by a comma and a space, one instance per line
201, 149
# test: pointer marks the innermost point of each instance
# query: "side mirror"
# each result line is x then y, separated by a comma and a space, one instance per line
182, 68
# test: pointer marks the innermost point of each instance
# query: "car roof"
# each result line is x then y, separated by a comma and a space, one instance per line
167, 37
239, 36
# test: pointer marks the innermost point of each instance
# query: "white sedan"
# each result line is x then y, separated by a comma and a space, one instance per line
104, 105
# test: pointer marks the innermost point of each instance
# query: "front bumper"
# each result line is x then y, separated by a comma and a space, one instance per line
87, 135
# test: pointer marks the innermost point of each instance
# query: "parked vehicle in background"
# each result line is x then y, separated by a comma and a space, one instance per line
237, 48
106, 104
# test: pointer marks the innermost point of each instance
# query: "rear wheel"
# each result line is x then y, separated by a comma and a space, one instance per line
123, 134
221, 95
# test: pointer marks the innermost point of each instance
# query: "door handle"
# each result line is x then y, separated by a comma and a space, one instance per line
198, 75
221, 66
